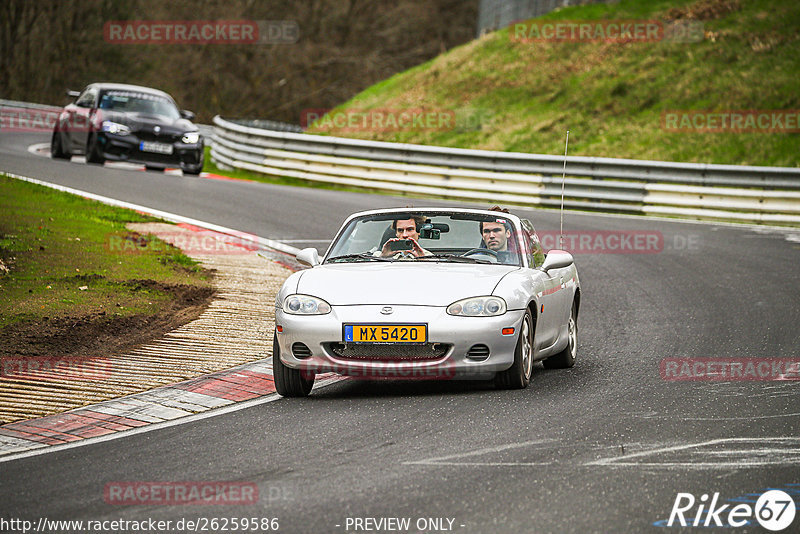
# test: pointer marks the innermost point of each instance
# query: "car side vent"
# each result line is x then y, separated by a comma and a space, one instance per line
478, 352
301, 350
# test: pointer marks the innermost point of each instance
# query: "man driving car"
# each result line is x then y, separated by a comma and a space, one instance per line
496, 235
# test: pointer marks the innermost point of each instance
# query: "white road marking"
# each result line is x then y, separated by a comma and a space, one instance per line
39, 149
785, 456
443, 460
745, 418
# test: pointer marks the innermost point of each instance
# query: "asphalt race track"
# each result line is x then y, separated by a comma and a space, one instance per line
603, 447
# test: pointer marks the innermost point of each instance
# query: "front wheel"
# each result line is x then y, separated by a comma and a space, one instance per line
57, 147
566, 358
93, 154
193, 170
289, 382
518, 376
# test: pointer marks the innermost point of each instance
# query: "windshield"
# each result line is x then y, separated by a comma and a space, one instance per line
135, 102
449, 237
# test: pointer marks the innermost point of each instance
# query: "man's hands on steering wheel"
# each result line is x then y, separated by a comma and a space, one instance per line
487, 251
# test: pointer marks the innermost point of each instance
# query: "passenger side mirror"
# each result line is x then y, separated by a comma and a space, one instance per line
188, 115
557, 259
308, 256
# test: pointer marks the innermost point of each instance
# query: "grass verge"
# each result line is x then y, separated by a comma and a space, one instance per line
612, 96
68, 281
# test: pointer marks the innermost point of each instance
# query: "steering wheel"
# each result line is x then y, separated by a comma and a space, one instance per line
487, 251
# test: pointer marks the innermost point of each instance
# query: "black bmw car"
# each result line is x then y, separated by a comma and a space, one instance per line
118, 122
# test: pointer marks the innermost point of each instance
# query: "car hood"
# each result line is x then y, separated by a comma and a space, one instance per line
398, 283
146, 123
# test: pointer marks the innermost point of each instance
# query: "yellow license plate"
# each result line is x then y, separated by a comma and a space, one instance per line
385, 333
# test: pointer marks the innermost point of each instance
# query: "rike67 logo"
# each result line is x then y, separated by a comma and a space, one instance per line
774, 510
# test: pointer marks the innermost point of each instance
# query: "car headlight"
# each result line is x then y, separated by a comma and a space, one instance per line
478, 307
191, 137
305, 305
115, 128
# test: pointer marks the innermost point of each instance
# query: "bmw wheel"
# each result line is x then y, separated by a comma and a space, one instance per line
93, 154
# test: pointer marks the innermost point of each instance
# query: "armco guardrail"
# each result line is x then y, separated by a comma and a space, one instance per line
769, 195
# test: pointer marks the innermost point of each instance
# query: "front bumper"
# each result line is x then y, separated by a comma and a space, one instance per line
127, 148
453, 336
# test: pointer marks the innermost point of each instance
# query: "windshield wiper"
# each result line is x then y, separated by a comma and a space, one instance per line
454, 257
362, 256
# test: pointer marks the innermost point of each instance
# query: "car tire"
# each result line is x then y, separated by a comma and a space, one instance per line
93, 154
566, 358
57, 147
518, 376
289, 382
193, 170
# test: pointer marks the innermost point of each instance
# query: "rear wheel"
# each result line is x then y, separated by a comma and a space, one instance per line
518, 376
93, 154
289, 382
57, 147
566, 358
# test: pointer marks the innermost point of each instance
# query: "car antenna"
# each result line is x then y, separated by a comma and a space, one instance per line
563, 179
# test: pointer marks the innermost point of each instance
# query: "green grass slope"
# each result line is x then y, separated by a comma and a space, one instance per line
516, 96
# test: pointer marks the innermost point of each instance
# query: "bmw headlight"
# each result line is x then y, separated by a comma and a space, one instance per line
191, 138
478, 307
115, 128
305, 305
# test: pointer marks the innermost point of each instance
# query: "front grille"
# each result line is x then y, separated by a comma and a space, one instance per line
301, 350
478, 352
160, 138
388, 352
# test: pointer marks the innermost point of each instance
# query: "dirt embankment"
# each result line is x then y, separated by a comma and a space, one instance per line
102, 334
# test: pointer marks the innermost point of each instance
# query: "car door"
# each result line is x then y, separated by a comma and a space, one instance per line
80, 116
547, 288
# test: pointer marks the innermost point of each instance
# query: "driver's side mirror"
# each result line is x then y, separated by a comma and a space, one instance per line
557, 259
308, 256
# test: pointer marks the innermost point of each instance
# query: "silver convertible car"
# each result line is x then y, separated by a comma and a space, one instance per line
427, 293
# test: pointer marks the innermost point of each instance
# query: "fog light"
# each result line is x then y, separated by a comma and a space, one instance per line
508, 331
